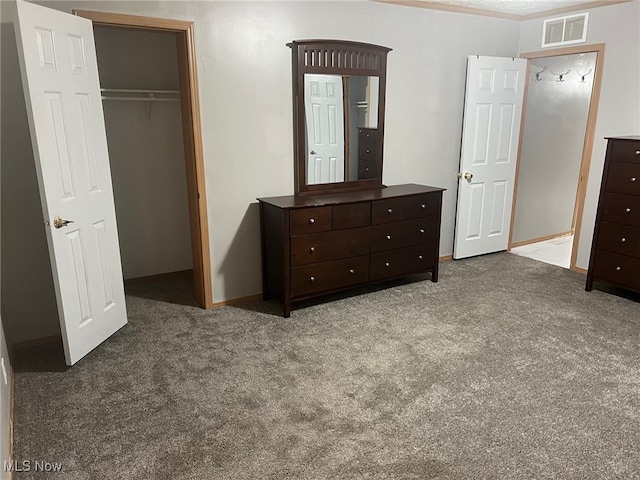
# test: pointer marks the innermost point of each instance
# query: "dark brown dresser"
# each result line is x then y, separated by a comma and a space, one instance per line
615, 252
318, 244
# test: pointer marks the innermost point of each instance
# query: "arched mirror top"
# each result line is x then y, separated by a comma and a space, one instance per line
338, 109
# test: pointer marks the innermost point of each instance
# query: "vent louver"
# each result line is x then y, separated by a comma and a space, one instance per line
565, 30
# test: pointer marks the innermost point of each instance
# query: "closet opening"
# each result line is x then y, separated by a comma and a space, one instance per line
556, 140
150, 102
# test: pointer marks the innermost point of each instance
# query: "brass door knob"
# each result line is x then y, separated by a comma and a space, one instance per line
59, 222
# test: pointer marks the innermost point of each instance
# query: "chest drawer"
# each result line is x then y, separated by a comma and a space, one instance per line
625, 151
624, 178
403, 261
321, 247
310, 220
405, 208
618, 269
621, 239
351, 215
388, 236
619, 208
326, 276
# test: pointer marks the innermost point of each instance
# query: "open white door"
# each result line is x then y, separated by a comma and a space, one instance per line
490, 133
64, 106
325, 128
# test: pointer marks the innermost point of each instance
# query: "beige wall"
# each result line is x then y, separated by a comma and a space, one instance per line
618, 27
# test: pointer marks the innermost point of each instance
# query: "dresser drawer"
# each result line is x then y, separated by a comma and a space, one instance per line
367, 151
351, 215
618, 269
387, 236
624, 178
625, 151
321, 247
618, 238
326, 276
310, 220
405, 208
619, 208
403, 261
366, 169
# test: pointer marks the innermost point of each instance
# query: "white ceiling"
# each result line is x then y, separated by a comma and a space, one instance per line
509, 8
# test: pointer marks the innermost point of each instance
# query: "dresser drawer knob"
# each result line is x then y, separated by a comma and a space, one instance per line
388, 237
637, 152
352, 271
368, 150
389, 211
312, 249
312, 278
627, 209
422, 230
633, 179
623, 239
419, 257
312, 221
387, 264
423, 206
618, 269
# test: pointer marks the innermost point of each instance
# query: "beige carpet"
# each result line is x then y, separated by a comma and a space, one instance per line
505, 369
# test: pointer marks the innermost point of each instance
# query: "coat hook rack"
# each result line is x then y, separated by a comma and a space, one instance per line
538, 77
584, 75
561, 75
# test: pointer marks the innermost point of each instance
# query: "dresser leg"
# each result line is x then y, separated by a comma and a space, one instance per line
589, 286
287, 310
434, 274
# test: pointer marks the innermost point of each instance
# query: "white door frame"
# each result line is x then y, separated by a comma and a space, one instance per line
587, 150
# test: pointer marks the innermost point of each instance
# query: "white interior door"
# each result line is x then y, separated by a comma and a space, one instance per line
325, 128
64, 106
490, 133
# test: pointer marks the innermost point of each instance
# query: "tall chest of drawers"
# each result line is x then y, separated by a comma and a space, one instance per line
615, 251
314, 245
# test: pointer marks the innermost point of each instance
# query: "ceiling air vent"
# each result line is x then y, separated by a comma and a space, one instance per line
565, 30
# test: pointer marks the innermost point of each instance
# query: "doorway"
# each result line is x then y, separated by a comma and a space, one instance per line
193, 170
559, 119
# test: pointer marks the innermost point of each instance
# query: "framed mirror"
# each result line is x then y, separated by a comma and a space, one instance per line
338, 110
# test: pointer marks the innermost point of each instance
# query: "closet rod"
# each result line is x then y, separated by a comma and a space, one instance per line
141, 99
131, 90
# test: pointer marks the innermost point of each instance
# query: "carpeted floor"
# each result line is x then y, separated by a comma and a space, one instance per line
505, 369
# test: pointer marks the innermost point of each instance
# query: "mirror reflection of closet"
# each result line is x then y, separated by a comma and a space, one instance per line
339, 99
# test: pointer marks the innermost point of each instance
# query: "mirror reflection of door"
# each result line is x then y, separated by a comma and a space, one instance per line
324, 112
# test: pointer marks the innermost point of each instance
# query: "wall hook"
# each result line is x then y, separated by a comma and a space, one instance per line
538, 77
561, 75
584, 75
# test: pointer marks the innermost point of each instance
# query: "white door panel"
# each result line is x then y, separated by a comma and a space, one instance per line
62, 92
325, 128
491, 127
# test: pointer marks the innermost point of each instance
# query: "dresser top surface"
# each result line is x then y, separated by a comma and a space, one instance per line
302, 201
627, 137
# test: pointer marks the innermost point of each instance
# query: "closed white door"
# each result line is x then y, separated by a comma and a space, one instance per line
64, 106
324, 108
490, 133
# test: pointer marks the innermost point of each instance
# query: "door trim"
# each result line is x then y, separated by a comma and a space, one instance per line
192, 135
587, 148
